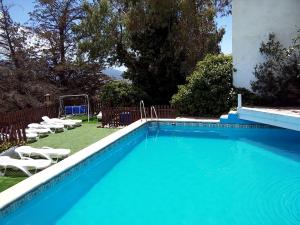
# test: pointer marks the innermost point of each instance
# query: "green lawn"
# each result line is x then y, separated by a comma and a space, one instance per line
75, 139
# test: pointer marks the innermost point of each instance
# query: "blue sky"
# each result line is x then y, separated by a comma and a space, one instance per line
20, 8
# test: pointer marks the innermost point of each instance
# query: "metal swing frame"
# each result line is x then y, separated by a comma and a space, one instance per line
62, 105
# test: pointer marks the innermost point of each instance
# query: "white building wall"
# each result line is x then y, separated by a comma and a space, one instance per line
252, 21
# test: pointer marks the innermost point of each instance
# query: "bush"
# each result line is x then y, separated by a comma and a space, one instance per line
6, 145
208, 89
121, 93
278, 78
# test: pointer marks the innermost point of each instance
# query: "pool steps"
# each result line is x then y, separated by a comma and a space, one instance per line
233, 118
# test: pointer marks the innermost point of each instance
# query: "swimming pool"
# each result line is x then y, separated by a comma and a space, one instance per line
177, 173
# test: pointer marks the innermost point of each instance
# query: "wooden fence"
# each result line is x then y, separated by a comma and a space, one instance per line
12, 133
13, 124
28, 115
95, 107
123, 116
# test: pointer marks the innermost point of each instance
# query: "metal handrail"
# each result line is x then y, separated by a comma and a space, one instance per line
152, 109
142, 110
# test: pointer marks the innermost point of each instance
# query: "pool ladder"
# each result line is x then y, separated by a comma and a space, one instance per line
153, 111
142, 110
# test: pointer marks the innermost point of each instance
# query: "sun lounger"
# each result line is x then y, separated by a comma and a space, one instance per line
31, 136
36, 126
52, 126
67, 124
53, 154
24, 164
99, 116
56, 120
77, 122
42, 132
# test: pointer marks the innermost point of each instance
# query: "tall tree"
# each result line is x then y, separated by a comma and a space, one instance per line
96, 33
53, 21
11, 39
223, 7
159, 42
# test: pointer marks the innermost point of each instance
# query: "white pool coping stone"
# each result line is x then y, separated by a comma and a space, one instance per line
20, 189
283, 118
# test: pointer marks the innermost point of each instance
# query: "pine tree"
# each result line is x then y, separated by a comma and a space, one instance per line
11, 40
96, 33
53, 22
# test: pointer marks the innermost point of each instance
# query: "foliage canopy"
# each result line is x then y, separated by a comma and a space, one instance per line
67, 43
158, 41
278, 77
208, 89
120, 93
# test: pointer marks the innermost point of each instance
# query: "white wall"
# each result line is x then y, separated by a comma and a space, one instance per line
252, 21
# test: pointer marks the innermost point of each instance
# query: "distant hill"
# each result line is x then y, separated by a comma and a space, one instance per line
113, 73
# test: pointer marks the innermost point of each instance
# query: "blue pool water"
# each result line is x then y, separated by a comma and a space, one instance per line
179, 175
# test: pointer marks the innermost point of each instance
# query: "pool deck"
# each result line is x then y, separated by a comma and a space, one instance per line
288, 118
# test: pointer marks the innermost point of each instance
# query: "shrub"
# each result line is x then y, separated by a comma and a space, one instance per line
208, 89
278, 78
120, 93
6, 145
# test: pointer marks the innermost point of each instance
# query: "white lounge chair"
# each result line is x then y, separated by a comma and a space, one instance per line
53, 154
77, 122
25, 164
31, 136
42, 132
66, 123
52, 126
36, 126
99, 116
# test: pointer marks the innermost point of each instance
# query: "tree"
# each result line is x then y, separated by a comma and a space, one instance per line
208, 89
159, 42
120, 93
11, 40
96, 33
278, 77
85, 78
223, 7
53, 22
42, 58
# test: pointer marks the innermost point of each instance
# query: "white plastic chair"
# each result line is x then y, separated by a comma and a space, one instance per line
25, 164
53, 154
55, 127
66, 123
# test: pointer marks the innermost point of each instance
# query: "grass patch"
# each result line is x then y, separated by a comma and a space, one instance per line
6, 182
75, 139
84, 118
